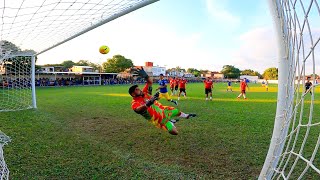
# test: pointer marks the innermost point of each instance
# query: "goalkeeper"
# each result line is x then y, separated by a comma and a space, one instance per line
148, 106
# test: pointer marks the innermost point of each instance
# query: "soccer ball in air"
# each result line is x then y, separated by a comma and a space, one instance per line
104, 49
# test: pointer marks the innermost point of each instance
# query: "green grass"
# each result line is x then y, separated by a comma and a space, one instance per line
92, 133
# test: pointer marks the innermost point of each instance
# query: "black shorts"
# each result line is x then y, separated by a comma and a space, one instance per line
207, 91
176, 88
182, 90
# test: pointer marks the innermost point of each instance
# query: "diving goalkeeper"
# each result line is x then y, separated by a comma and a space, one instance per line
148, 106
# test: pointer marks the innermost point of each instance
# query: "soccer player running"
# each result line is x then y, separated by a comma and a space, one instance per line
208, 86
182, 87
172, 84
243, 86
308, 84
229, 86
164, 91
148, 107
266, 85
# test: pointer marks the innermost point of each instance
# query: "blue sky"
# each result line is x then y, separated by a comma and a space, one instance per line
202, 34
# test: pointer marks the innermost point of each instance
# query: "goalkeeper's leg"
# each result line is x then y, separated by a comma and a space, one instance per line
168, 121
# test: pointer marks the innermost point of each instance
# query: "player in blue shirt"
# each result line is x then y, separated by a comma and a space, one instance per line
163, 89
229, 86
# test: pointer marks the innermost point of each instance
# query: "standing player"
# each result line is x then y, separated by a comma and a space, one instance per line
229, 86
208, 86
148, 106
182, 87
243, 86
308, 84
163, 90
266, 85
176, 85
172, 84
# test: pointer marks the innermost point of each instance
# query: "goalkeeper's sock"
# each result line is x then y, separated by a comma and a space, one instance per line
183, 115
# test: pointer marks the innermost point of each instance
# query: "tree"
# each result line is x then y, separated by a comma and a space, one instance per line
95, 66
82, 63
250, 72
117, 63
230, 71
270, 73
256, 73
67, 64
247, 72
7, 45
194, 71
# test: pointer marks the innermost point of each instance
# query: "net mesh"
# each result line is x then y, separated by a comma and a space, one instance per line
297, 155
4, 171
15, 83
37, 25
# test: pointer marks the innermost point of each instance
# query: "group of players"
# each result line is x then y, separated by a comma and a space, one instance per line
180, 83
161, 116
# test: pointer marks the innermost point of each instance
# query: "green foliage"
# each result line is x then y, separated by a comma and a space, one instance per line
82, 63
230, 71
270, 73
116, 64
250, 72
7, 45
67, 64
194, 71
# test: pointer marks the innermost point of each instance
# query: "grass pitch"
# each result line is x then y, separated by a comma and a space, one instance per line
92, 133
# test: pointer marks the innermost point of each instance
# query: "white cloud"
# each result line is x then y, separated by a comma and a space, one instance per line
219, 13
257, 50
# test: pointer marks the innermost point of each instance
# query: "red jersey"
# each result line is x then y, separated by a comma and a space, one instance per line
243, 85
155, 113
182, 83
172, 83
177, 82
208, 84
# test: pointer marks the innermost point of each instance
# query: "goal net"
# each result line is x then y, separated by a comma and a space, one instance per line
31, 27
4, 171
294, 148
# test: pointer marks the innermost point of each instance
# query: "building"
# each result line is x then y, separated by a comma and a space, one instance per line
250, 78
82, 69
50, 69
154, 70
188, 75
214, 75
217, 75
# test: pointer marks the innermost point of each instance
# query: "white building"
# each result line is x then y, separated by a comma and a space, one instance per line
250, 78
82, 69
154, 70
47, 69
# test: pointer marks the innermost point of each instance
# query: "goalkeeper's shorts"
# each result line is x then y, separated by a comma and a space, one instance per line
169, 114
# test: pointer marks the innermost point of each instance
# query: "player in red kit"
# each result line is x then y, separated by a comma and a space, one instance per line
243, 87
182, 87
208, 86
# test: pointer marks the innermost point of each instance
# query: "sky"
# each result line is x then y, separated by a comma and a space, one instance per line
201, 34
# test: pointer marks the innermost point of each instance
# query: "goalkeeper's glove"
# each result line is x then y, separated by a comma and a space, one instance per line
152, 99
141, 73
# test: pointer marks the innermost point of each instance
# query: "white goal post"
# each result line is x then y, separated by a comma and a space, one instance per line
37, 26
293, 151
